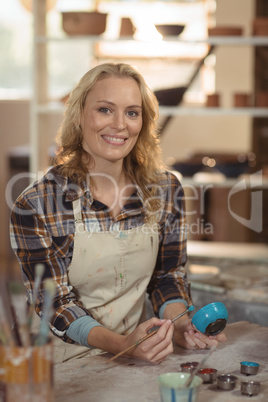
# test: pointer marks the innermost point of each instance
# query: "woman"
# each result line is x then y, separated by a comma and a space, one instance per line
108, 223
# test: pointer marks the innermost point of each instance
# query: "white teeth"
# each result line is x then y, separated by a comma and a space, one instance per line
114, 139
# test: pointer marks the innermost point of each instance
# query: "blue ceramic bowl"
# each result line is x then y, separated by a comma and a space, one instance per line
211, 319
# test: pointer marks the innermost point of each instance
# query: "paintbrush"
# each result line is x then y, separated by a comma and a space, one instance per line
190, 308
39, 271
18, 300
9, 308
50, 290
6, 335
197, 368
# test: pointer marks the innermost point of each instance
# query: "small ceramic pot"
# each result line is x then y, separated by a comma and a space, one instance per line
242, 100
249, 368
208, 375
211, 319
250, 388
188, 367
260, 26
213, 100
84, 22
261, 98
226, 382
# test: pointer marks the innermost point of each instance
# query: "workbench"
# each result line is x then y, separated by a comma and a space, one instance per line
126, 380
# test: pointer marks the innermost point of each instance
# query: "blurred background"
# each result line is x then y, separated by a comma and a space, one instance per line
207, 62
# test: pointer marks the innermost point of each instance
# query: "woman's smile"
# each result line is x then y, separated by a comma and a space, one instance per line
114, 140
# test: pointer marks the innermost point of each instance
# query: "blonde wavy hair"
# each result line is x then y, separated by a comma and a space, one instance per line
143, 164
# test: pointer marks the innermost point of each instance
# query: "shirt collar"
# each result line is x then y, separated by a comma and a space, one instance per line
72, 190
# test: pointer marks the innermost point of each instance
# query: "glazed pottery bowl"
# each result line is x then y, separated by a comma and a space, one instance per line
169, 29
171, 387
211, 319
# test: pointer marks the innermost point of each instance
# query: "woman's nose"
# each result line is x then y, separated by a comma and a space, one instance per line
119, 121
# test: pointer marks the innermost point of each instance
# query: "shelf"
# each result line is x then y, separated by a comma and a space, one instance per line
58, 108
237, 40
213, 40
228, 183
213, 111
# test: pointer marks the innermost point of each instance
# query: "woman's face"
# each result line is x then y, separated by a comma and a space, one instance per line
111, 119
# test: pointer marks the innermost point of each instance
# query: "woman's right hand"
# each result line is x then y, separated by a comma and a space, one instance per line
154, 349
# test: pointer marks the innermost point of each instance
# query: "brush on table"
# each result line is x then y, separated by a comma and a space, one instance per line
18, 300
6, 335
190, 308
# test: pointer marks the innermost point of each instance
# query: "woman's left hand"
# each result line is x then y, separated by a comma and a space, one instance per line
186, 336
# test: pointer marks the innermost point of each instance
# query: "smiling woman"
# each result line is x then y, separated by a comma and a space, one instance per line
108, 223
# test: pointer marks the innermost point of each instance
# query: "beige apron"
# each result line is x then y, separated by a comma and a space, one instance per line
110, 272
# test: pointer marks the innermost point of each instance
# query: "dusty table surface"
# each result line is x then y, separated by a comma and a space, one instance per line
126, 380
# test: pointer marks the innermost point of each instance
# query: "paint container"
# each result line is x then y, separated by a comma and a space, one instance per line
188, 367
208, 375
249, 368
211, 319
226, 382
171, 387
26, 373
250, 387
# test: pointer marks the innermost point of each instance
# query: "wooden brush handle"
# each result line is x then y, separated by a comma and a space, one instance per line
132, 346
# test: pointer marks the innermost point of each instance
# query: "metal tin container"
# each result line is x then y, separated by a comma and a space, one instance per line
226, 381
188, 367
250, 387
249, 368
208, 375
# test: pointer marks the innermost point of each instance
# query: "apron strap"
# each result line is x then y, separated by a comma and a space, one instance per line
79, 224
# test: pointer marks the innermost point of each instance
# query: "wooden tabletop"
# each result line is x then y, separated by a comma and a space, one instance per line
126, 380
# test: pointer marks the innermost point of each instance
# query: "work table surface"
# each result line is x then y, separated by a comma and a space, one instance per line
126, 380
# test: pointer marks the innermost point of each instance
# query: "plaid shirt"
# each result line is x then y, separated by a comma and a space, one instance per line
42, 231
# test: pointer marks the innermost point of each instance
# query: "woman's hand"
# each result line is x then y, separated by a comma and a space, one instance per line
186, 336
157, 347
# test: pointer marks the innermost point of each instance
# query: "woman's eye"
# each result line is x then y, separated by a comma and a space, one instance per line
133, 113
104, 110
